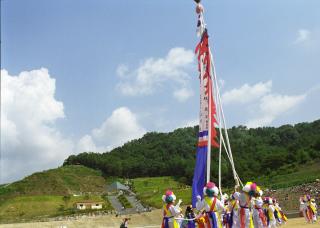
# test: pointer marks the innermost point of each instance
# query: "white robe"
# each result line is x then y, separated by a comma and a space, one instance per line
272, 219
219, 207
258, 203
245, 202
235, 209
175, 211
314, 219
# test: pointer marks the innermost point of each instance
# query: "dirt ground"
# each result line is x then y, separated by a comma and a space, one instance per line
150, 219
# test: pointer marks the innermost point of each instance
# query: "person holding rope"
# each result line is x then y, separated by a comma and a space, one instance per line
212, 205
170, 211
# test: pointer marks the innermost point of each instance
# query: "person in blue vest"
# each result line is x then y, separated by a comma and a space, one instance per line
212, 205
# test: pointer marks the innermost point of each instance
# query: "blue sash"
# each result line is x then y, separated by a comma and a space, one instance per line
213, 217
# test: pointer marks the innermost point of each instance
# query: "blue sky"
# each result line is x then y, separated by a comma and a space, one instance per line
99, 73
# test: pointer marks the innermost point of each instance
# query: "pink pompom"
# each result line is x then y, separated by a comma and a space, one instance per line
169, 192
253, 186
210, 185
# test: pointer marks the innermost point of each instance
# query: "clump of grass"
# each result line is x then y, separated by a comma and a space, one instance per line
124, 201
150, 190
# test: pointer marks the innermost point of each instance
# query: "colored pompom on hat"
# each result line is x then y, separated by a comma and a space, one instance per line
268, 200
250, 188
259, 192
211, 189
169, 197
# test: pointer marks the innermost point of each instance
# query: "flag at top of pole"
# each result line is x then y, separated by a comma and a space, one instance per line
207, 135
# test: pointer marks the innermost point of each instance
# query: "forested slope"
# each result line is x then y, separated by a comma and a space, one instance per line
257, 152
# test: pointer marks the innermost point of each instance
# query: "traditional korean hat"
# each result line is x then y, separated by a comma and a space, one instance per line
169, 197
268, 200
250, 188
211, 189
259, 192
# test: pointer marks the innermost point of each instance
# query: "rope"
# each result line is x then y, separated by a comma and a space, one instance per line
185, 219
235, 176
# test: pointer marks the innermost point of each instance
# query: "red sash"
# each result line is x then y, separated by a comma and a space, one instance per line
207, 220
261, 216
213, 204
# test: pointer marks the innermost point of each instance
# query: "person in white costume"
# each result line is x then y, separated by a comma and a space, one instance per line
234, 211
258, 216
170, 211
313, 206
270, 213
245, 202
212, 205
303, 207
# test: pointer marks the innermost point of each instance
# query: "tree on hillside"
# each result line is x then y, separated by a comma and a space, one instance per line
256, 152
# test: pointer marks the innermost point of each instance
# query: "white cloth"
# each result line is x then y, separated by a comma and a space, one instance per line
258, 202
272, 219
234, 207
245, 204
175, 211
204, 205
219, 207
303, 209
314, 219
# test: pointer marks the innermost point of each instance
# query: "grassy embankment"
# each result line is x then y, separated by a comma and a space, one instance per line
50, 193
296, 176
26, 208
150, 190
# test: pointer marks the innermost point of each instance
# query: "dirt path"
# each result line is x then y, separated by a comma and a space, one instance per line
146, 220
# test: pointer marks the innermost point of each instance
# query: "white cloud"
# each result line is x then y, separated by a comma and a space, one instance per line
261, 103
272, 106
87, 144
302, 36
116, 130
246, 93
183, 94
153, 73
122, 70
30, 140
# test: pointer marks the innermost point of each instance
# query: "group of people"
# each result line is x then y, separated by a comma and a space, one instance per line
243, 209
308, 208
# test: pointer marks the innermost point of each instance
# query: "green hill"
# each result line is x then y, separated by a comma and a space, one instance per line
150, 190
266, 151
65, 180
51, 193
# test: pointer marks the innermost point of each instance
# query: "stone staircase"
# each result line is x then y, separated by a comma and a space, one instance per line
136, 205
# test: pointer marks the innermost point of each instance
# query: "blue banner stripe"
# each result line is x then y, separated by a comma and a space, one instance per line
199, 176
202, 133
